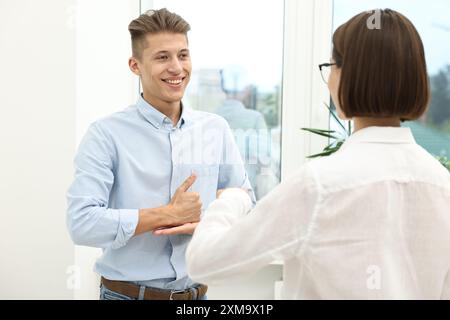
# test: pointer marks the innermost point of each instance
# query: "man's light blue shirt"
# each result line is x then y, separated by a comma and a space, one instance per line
137, 159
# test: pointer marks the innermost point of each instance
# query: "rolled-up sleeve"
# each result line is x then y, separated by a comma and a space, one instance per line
89, 220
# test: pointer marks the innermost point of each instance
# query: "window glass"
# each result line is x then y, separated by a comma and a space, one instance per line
237, 50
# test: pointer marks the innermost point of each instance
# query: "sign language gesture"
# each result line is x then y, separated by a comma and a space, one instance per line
185, 207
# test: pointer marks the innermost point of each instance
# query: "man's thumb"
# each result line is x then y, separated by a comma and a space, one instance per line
187, 183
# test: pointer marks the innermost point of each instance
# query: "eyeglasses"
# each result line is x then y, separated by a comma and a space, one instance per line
325, 71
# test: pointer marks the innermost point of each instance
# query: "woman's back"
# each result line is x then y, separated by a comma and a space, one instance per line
381, 227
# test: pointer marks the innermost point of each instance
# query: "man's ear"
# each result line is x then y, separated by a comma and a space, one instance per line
134, 66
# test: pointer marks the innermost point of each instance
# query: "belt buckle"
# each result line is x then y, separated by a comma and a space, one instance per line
172, 292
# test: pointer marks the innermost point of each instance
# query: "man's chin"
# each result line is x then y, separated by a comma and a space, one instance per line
174, 98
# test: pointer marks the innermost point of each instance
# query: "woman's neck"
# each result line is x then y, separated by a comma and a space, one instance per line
363, 122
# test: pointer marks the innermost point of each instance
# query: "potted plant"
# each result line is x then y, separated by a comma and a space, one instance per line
337, 138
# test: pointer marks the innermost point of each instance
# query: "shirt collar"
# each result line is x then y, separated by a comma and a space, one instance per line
157, 118
388, 135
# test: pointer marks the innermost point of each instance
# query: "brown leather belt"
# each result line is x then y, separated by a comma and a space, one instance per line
132, 290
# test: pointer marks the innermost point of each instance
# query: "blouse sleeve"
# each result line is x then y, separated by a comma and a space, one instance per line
231, 240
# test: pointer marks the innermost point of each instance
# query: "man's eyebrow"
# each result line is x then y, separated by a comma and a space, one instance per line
168, 52
161, 52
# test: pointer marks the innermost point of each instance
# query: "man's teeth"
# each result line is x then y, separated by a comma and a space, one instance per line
174, 81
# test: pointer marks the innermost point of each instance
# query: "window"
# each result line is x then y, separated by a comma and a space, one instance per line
433, 130
237, 52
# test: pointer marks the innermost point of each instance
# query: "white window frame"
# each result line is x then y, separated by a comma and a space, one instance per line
307, 43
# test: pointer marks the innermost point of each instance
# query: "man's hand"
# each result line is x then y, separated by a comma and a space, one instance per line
219, 192
187, 228
185, 207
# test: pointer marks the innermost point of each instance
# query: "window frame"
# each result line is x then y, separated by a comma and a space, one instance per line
307, 43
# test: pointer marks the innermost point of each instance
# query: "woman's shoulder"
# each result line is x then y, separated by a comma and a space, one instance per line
365, 164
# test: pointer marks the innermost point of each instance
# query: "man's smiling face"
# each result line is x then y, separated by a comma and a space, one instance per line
165, 68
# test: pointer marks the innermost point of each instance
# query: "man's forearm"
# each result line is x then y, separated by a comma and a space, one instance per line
151, 219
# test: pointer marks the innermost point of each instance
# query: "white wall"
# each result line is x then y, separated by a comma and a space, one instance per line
63, 65
104, 84
37, 138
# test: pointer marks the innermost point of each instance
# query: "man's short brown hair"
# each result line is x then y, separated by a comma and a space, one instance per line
154, 21
383, 71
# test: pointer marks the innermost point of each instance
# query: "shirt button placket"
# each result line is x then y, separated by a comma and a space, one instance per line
175, 180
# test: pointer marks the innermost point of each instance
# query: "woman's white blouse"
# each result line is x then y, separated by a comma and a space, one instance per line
369, 222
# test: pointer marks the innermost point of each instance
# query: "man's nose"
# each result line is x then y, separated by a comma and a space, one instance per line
175, 66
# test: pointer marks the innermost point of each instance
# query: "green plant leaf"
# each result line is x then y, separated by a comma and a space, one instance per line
338, 138
444, 161
323, 133
321, 130
335, 117
329, 147
323, 154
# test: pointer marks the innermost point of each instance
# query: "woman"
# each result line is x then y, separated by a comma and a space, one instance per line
369, 222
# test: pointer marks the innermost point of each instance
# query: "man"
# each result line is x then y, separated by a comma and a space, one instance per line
143, 175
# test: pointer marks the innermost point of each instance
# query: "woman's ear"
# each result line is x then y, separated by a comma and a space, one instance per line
133, 63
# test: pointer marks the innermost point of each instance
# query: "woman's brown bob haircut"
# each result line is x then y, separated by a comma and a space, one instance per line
383, 71
152, 22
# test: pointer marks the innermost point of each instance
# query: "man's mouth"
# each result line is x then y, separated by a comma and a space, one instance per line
174, 81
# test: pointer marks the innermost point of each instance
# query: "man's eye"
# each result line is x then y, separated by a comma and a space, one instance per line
162, 57
184, 56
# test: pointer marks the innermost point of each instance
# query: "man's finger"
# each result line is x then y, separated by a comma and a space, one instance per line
187, 183
187, 228
218, 193
168, 231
